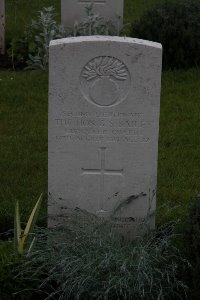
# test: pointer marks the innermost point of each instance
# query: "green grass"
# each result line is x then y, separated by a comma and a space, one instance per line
133, 9
23, 151
179, 145
90, 266
23, 126
23, 141
23, 131
9, 284
20, 12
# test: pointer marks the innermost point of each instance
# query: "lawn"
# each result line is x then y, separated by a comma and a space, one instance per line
179, 141
24, 98
23, 141
24, 102
24, 126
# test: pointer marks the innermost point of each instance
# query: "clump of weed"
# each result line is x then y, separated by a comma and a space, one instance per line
76, 264
44, 29
93, 24
8, 283
34, 47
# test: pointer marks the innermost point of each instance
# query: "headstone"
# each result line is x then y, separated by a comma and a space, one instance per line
104, 98
74, 10
2, 27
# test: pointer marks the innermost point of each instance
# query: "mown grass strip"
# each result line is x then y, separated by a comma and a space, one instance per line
23, 151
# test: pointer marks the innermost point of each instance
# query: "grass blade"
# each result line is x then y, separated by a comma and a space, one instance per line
17, 227
32, 220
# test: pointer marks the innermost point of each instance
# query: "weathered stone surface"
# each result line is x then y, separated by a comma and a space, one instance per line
74, 10
104, 101
2, 26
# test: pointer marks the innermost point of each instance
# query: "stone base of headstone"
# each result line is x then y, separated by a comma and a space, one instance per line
76, 220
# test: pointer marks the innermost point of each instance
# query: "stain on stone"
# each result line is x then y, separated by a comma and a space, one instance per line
129, 200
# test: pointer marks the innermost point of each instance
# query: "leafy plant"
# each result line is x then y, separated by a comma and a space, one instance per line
18, 51
175, 24
93, 24
44, 30
20, 236
77, 264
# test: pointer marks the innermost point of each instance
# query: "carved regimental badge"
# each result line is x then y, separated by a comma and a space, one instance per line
105, 81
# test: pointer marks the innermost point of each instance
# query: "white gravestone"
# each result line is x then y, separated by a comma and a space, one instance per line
74, 10
104, 103
2, 27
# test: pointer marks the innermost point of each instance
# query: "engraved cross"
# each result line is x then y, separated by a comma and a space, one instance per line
102, 172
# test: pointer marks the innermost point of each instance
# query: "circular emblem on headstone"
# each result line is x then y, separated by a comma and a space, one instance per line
105, 81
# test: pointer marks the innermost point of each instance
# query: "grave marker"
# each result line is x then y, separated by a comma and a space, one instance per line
2, 27
104, 99
74, 10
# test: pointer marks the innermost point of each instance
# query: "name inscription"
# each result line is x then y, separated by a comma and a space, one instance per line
106, 127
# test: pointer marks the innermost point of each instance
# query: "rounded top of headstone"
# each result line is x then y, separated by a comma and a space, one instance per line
100, 38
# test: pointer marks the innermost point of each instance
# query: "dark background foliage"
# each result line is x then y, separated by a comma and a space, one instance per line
176, 25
